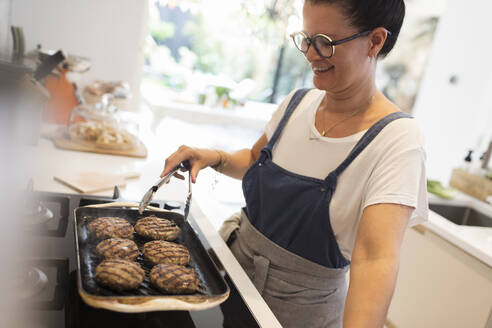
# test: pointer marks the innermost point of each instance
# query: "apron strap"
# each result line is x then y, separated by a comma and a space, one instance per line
366, 139
293, 103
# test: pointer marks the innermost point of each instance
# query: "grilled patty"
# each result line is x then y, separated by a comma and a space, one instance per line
174, 279
111, 227
160, 251
117, 248
156, 228
118, 274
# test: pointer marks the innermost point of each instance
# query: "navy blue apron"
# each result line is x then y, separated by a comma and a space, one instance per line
292, 210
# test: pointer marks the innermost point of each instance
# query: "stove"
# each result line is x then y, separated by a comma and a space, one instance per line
48, 283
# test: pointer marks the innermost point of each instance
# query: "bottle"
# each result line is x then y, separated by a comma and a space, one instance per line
476, 163
467, 162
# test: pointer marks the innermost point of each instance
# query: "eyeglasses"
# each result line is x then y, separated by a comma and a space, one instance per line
323, 44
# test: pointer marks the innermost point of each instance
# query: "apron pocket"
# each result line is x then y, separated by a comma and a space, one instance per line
297, 295
289, 315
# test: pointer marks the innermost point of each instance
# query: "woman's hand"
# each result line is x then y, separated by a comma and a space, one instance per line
233, 164
198, 158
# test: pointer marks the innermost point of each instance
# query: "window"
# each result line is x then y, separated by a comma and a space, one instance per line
224, 53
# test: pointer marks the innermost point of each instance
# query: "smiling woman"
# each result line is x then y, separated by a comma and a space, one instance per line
334, 180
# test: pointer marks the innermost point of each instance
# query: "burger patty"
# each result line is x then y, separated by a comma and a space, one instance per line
111, 227
174, 279
118, 274
117, 248
160, 251
156, 228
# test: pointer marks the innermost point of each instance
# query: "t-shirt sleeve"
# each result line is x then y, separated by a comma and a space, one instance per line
277, 116
399, 177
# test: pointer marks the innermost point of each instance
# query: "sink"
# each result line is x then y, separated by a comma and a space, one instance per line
462, 215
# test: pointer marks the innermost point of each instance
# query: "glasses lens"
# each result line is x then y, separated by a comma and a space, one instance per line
301, 42
323, 45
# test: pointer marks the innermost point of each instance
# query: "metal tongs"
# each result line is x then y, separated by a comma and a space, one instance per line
147, 198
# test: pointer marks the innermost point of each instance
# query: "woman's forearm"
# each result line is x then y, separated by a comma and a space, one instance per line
372, 283
235, 164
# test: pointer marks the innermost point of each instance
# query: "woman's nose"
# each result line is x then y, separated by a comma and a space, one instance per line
312, 54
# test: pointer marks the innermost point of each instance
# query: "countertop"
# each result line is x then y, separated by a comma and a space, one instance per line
46, 161
476, 241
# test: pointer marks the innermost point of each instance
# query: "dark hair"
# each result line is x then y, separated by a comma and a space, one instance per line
369, 14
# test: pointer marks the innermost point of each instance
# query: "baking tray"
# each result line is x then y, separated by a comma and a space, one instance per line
212, 289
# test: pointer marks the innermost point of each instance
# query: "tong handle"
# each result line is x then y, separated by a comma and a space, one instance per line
186, 164
165, 179
126, 204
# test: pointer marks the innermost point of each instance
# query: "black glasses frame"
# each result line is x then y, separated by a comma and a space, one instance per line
327, 38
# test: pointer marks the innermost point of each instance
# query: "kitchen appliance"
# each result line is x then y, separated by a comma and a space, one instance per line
53, 70
58, 304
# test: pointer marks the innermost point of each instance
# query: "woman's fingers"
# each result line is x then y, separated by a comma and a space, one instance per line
194, 172
197, 158
183, 153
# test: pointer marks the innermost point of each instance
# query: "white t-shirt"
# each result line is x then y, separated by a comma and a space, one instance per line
389, 170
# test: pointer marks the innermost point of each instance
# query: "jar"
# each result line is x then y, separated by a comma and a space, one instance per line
103, 125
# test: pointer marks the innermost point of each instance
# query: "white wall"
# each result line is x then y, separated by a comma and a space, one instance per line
455, 115
110, 32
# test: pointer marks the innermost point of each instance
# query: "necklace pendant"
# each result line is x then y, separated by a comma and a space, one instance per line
323, 133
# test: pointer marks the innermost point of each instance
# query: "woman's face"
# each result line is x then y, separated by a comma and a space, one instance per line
349, 66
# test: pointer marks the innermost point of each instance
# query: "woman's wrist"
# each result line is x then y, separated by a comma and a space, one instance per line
221, 162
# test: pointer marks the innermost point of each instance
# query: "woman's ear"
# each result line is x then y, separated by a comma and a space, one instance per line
377, 37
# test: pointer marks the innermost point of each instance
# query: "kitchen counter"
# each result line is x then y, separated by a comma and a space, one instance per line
476, 241
46, 161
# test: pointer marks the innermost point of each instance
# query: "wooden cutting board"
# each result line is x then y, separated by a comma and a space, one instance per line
62, 140
474, 185
90, 182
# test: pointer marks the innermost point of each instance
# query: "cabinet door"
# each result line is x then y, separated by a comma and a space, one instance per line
439, 285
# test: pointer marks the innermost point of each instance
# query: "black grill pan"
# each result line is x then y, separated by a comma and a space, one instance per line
212, 290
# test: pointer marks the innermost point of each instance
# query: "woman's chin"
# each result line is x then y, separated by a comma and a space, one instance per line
321, 84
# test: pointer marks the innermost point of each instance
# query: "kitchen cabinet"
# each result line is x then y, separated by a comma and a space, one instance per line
440, 285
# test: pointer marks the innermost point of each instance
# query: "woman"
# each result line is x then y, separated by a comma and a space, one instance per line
333, 182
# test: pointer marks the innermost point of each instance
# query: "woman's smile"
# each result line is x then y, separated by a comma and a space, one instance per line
321, 67
320, 70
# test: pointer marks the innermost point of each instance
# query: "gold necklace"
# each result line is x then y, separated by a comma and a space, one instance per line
355, 112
